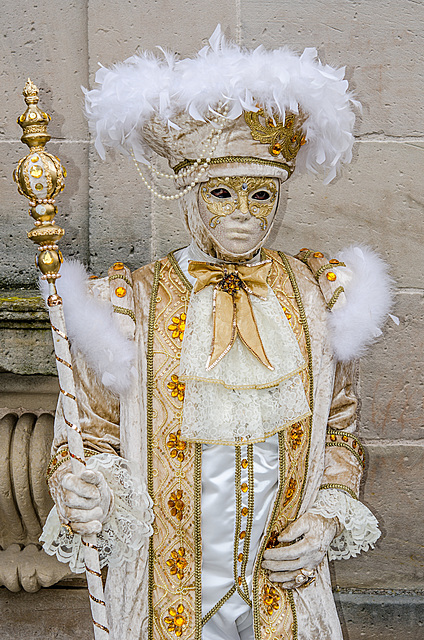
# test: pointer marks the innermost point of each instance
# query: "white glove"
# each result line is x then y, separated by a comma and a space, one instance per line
300, 559
84, 501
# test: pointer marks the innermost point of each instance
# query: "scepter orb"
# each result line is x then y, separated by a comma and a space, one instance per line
40, 178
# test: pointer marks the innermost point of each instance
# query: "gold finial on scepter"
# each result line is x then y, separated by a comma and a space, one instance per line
40, 178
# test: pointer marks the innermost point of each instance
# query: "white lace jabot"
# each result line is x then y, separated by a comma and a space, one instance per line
239, 400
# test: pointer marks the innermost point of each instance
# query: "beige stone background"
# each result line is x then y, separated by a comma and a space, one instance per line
108, 215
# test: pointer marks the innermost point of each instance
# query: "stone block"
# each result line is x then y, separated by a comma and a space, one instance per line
393, 490
381, 616
46, 615
116, 31
392, 376
26, 346
377, 201
17, 257
120, 214
47, 42
379, 42
32, 393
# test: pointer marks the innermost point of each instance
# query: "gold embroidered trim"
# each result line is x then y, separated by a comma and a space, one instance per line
68, 395
249, 523
60, 333
125, 312
275, 509
343, 487
178, 271
290, 597
335, 297
269, 385
324, 267
149, 427
231, 159
304, 323
63, 456
218, 605
349, 448
116, 276
198, 540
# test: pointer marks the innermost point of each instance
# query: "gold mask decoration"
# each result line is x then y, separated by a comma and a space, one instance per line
246, 194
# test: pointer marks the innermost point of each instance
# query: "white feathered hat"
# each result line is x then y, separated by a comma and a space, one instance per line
226, 107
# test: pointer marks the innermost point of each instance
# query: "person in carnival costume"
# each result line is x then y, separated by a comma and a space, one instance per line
217, 386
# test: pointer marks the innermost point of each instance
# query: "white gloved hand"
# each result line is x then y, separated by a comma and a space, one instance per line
84, 501
285, 563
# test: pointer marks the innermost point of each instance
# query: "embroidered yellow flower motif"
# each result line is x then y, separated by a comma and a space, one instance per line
177, 388
176, 446
176, 505
176, 619
178, 326
177, 563
296, 434
271, 598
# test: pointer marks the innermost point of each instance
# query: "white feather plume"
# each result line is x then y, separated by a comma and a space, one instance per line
369, 298
92, 329
130, 92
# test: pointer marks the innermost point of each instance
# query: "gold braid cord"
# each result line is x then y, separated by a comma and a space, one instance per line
174, 470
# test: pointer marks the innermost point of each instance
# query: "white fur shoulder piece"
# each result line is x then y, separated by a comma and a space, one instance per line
369, 297
92, 328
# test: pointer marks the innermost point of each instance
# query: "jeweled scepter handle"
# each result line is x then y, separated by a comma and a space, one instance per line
40, 178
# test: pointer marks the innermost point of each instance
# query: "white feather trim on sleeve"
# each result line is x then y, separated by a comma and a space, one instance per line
369, 298
93, 330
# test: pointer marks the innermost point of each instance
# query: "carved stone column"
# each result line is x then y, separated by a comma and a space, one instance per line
25, 502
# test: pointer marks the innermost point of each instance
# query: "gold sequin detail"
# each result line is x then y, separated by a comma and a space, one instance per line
244, 511
240, 557
176, 446
176, 504
242, 535
178, 326
290, 491
176, 619
244, 487
271, 599
244, 463
177, 563
177, 388
296, 434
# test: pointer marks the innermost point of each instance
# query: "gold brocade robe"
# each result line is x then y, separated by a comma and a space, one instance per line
160, 597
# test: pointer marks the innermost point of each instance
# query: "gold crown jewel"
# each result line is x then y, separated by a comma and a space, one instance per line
284, 138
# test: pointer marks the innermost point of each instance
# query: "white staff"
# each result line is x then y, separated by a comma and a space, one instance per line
40, 177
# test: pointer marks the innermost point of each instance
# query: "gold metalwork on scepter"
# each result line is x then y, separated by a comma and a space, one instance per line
40, 178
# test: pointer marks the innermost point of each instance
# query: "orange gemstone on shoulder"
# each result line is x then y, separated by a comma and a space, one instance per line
318, 254
120, 292
331, 276
333, 261
118, 266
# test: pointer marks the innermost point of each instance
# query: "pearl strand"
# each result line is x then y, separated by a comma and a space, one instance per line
213, 138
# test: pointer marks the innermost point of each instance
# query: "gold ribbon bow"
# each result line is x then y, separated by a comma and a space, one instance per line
232, 309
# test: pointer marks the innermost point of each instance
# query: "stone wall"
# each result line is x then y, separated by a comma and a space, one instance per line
108, 215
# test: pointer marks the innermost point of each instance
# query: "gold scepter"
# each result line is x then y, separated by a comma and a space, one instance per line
40, 178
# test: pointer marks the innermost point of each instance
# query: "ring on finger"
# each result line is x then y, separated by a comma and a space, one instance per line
307, 573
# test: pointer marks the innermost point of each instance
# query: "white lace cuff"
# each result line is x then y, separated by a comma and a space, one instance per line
360, 531
126, 528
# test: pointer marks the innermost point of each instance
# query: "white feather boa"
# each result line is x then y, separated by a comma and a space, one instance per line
130, 93
93, 330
